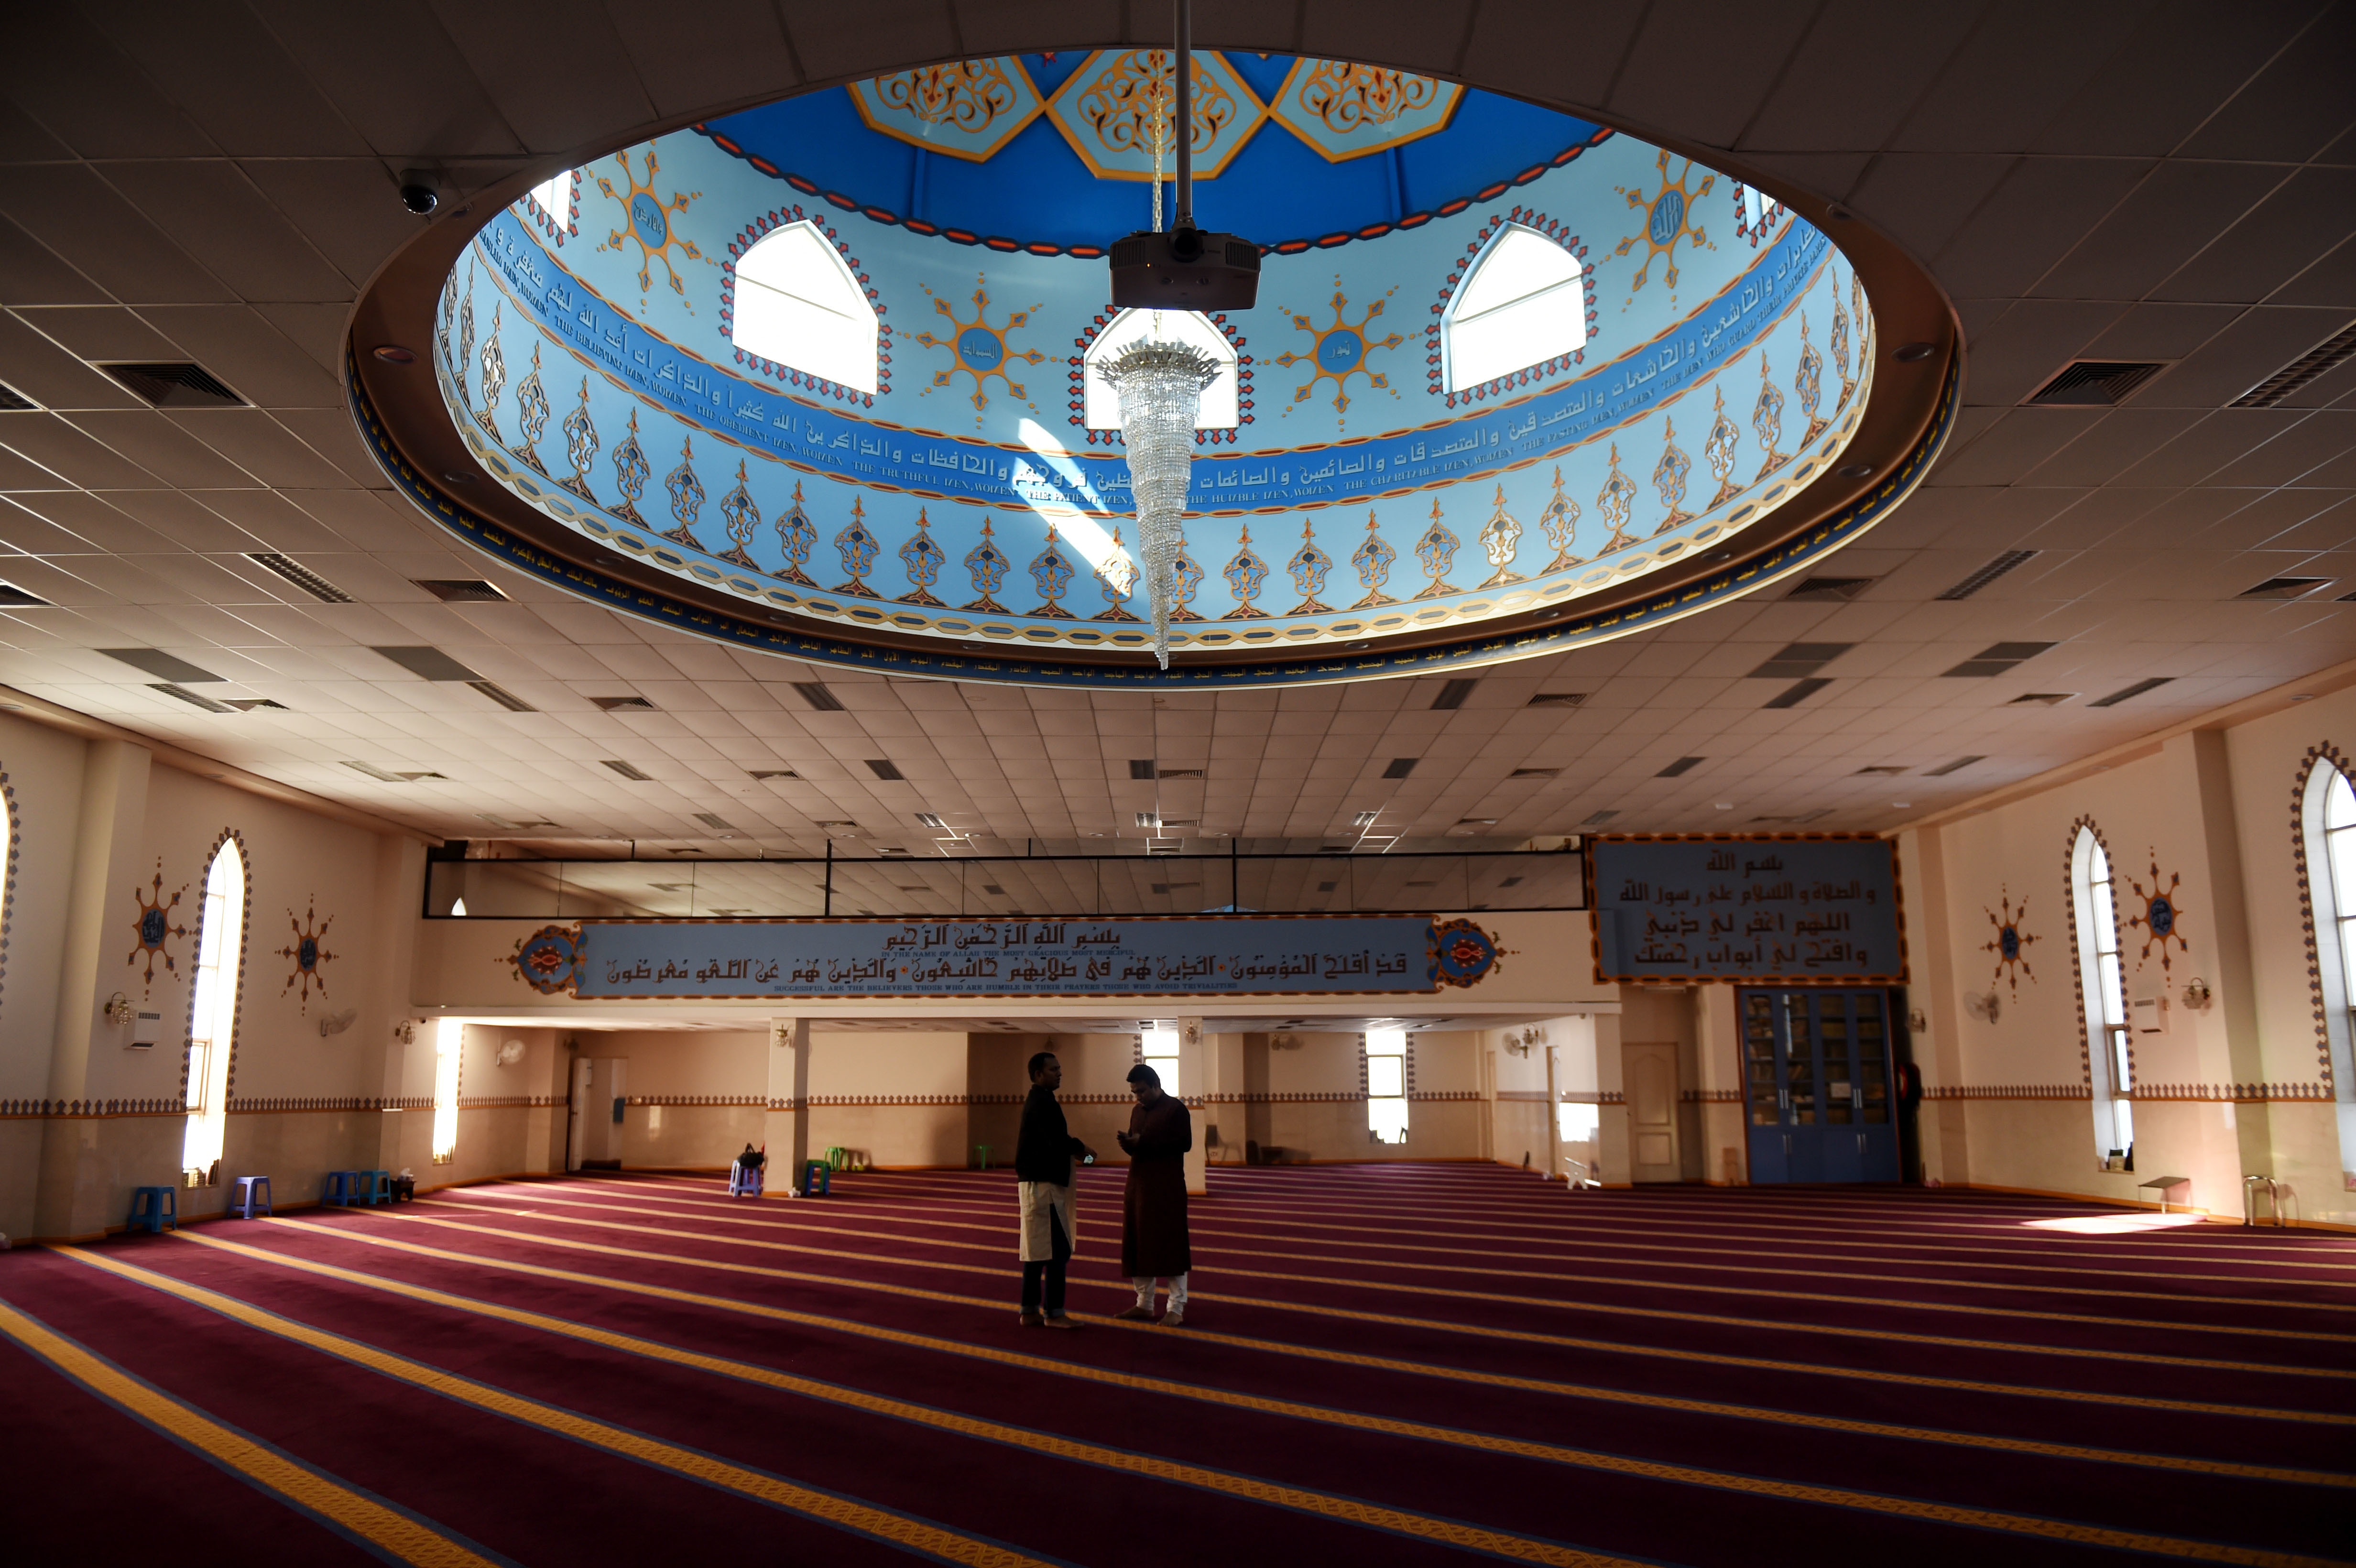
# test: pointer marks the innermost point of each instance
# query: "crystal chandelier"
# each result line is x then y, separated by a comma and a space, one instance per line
1159, 386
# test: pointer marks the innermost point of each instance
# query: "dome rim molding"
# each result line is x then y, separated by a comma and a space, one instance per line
1902, 431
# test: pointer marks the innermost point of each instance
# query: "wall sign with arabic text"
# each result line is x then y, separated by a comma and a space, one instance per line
1262, 956
1816, 908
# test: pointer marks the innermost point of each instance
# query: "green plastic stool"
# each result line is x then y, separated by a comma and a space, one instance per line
838, 1159
817, 1178
981, 1156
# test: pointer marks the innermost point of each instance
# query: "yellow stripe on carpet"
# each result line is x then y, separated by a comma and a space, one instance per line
388, 1529
778, 1492
1350, 1510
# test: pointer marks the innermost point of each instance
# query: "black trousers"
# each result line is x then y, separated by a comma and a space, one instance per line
1049, 1274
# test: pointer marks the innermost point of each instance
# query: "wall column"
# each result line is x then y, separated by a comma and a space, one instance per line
78, 1191
1612, 1152
1197, 1079
2235, 987
1941, 1126
786, 1127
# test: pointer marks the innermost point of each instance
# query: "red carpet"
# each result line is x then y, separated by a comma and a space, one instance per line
1382, 1363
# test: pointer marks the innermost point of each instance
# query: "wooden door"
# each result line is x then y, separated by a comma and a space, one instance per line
1649, 1073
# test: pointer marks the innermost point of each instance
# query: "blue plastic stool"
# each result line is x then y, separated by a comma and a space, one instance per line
743, 1183
376, 1187
343, 1189
817, 1178
251, 1189
153, 1208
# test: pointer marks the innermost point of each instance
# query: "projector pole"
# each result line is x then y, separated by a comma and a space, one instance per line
1185, 116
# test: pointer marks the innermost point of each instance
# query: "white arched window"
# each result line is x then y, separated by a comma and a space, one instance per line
798, 306
1217, 409
1522, 304
449, 1052
2327, 824
212, 1017
555, 198
2096, 933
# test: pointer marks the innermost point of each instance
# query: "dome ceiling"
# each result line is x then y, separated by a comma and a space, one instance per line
820, 370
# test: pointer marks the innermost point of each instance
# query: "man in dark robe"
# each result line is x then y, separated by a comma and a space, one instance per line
1154, 1242
1044, 1151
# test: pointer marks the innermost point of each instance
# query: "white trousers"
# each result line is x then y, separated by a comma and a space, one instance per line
1144, 1283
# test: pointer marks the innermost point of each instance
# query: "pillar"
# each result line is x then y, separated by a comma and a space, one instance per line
1198, 1071
785, 1126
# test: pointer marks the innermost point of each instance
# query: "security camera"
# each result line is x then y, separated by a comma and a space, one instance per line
419, 192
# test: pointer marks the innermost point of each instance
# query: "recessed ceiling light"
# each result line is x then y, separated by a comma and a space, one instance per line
1914, 353
1722, 805
394, 354
1855, 470
2302, 697
1903, 805
455, 477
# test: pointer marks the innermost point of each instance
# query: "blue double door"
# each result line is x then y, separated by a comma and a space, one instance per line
1816, 1077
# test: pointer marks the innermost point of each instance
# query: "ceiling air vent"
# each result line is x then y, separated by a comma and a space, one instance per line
1886, 772
931, 819
624, 704
1802, 659
1149, 819
884, 769
816, 694
1141, 768
459, 590
2099, 382
2283, 588
717, 823
381, 775
13, 402
2040, 700
1365, 819
1180, 773
15, 598
1454, 694
1557, 699
1799, 691
1527, 773
1598, 818
1400, 767
174, 386
430, 663
190, 697
1997, 658
1987, 574
1958, 765
513, 826
628, 771
302, 577
1825, 590
247, 704
2329, 355
2137, 689
160, 664
765, 773
503, 697
1677, 769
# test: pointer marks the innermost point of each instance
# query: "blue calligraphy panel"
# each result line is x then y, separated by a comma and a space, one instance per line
1312, 957
1822, 910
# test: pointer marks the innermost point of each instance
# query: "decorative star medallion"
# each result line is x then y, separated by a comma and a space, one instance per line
307, 955
2160, 916
2008, 942
155, 927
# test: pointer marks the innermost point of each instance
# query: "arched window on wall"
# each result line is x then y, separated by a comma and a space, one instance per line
2103, 998
2327, 835
1522, 304
212, 1013
797, 304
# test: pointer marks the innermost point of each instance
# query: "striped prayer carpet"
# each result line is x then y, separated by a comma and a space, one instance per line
1381, 1363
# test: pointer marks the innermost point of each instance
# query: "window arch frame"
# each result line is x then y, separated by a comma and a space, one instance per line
12, 840
774, 230
1581, 283
206, 1110
2113, 1104
2330, 985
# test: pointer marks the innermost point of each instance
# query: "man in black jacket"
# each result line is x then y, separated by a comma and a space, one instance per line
1044, 1151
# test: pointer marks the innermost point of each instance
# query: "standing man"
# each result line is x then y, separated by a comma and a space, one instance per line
1153, 1209
1043, 1150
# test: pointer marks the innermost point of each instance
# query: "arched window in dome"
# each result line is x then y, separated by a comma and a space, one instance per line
2327, 821
798, 306
1522, 304
1218, 409
2095, 931
212, 1012
554, 201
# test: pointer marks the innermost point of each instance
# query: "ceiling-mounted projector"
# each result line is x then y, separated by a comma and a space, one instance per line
1184, 268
